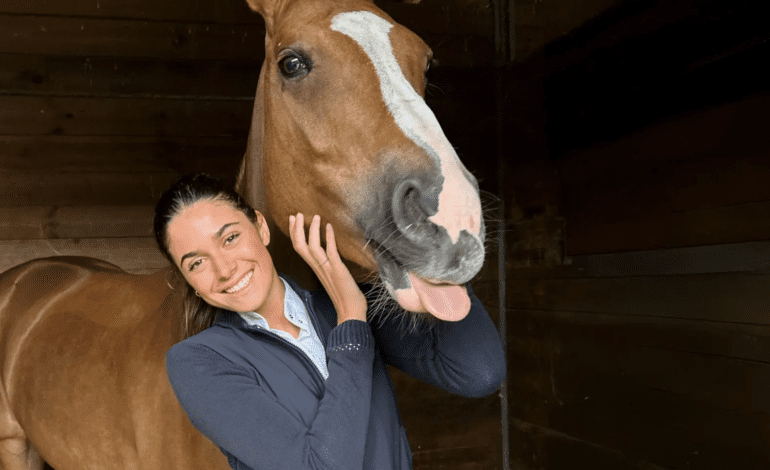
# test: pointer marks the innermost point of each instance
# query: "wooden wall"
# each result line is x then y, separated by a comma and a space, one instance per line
104, 103
639, 244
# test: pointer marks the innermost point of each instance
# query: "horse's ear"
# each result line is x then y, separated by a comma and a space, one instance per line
266, 8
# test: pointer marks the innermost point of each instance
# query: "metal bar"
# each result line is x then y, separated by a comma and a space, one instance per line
505, 51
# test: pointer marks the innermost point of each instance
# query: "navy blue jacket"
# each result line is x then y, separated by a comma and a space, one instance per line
263, 402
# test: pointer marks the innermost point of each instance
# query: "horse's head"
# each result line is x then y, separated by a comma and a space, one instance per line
347, 135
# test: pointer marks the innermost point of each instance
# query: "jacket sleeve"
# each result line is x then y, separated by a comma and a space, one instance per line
464, 357
226, 403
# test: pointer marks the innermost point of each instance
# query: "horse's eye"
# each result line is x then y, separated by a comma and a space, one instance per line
292, 66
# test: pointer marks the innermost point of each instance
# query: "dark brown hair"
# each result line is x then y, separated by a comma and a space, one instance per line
186, 191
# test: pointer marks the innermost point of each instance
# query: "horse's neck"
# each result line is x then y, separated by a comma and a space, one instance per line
250, 182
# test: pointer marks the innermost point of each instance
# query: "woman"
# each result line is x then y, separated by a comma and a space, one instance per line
282, 378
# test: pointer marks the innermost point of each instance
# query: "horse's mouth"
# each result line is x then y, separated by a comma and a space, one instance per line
418, 294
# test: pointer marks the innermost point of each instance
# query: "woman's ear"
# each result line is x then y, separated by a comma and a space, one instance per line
262, 228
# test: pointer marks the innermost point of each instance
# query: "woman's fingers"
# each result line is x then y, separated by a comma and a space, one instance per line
314, 241
310, 249
331, 245
297, 234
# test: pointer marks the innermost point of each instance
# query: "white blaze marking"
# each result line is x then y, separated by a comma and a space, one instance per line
459, 207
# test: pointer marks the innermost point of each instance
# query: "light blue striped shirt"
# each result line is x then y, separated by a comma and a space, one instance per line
295, 312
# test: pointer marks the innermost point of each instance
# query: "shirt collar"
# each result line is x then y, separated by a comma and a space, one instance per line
293, 310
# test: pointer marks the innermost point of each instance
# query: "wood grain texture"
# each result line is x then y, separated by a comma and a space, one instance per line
447, 430
54, 222
31, 115
463, 16
23, 34
659, 393
50, 75
698, 179
137, 255
103, 171
119, 154
225, 11
113, 38
721, 297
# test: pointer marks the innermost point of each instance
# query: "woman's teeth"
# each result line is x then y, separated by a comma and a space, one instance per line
241, 284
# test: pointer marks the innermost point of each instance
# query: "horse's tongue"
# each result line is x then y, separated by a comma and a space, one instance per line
450, 303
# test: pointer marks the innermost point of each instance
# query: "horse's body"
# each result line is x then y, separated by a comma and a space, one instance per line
339, 129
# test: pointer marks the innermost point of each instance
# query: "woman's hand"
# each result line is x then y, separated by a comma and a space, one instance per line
348, 299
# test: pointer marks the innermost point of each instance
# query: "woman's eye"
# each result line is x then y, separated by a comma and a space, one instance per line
231, 238
194, 264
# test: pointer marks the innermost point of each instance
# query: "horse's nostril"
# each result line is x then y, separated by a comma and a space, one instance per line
412, 205
412, 209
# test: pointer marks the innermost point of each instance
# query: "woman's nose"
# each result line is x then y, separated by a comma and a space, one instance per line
224, 266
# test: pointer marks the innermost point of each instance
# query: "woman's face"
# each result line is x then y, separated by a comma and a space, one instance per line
223, 255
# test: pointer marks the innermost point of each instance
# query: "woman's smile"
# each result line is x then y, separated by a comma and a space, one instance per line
245, 281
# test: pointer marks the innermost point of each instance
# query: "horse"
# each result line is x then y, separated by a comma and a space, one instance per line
339, 128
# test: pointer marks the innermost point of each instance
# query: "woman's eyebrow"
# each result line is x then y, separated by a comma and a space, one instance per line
222, 230
216, 235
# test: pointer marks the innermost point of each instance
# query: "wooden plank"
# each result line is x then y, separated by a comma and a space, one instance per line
462, 16
50, 75
440, 425
134, 255
720, 297
665, 407
185, 41
223, 11
698, 179
130, 38
594, 233
732, 257
540, 447
29, 155
31, 115
68, 189
714, 339
657, 426
36, 74
459, 458
98, 171
730, 131
53, 222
